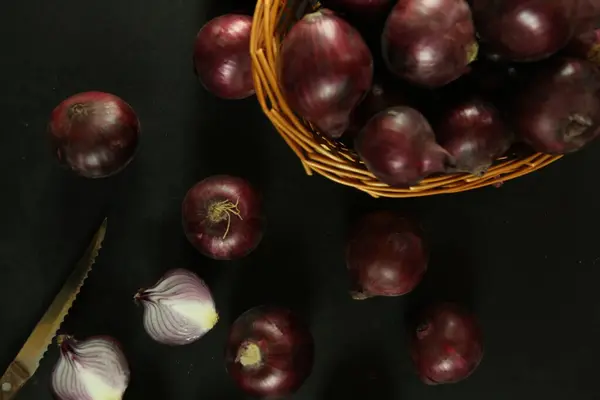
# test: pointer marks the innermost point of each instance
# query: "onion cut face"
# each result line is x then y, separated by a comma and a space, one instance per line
326, 69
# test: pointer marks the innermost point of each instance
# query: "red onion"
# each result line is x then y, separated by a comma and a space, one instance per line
446, 344
222, 217
269, 352
474, 134
94, 134
398, 146
558, 110
326, 68
385, 256
178, 309
91, 369
429, 43
586, 45
222, 56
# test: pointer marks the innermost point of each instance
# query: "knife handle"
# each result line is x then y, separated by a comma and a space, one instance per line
13, 379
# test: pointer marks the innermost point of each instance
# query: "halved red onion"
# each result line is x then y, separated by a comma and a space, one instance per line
178, 309
91, 369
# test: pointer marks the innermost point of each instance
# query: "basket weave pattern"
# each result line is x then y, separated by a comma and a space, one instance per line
332, 159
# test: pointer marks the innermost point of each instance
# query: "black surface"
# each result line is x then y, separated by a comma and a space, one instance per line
525, 257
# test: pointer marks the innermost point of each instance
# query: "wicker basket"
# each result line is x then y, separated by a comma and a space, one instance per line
332, 159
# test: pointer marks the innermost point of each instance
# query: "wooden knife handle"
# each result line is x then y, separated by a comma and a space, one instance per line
14, 378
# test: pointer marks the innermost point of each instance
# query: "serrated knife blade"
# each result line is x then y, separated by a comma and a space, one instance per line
28, 359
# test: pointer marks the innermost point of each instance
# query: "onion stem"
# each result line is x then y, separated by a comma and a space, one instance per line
249, 355
222, 210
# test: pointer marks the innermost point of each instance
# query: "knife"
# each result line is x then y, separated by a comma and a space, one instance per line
28, 359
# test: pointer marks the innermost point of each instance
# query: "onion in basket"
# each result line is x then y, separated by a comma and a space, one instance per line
429, 43
326, 68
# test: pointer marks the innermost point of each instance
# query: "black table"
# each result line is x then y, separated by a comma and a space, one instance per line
525, 257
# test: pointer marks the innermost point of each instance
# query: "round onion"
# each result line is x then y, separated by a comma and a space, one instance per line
446, 344
429, 43
94, 134
222, 217
222, 56
178, 309
385, 256
91, 369
326, 68
269, 352
398, 146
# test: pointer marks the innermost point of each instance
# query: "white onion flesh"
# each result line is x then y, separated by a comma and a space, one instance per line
179, 309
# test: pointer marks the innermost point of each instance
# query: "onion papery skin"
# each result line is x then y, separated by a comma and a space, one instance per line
398, 146
429, 43
94, 134
446, 344
558, 110
178, 309
91, 369
326, 69
222, 56
385, 256
222, 217
269, 352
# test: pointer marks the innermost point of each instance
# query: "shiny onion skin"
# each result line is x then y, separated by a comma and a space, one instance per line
474, 134
91, 369
385, 256
524, 30
398, 146
222, 217
94, 134
558, 110
446, 344
326, 69
269, 352
429, 43
222, 56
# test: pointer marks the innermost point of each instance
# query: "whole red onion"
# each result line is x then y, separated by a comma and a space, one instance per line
222, 56
222, 217
269, 352
94, 134
446, 344
429, 43
385, 256
474, 134
398, 146
326, 68
558, 110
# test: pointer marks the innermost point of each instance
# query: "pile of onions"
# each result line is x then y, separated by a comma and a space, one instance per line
269, 352
222, 217
94, 134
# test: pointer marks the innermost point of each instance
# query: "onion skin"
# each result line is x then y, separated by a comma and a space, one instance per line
269, 352
326, 69
398, 147
558, 111
222, 217
446, 344
474, 134
222, 56
429, 43
94, 134
385, 256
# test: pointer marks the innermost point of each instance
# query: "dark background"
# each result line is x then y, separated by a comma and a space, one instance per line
525, 257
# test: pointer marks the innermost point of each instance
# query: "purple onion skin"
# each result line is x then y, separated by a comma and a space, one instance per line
286, 349
558, 111
398, 147
326, 69
231, 233
474, 134
94, 134
222, 56
429, 43
446, 345
385, 256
